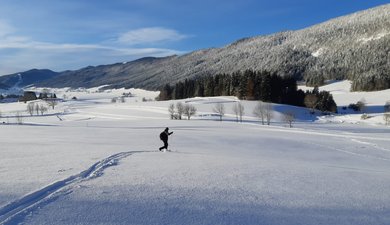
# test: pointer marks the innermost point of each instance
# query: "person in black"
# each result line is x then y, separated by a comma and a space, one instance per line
164, 137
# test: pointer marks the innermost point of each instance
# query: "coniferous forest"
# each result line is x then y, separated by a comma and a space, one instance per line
249, 85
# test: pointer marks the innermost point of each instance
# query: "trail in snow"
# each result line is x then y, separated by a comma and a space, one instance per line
371, 145
317, 133
116, 116
16, 211
324, 146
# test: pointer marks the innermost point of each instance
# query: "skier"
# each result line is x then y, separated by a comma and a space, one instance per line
164, 137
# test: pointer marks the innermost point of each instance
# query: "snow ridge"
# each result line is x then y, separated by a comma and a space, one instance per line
17, 210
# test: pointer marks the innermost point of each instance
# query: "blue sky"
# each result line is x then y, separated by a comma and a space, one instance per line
71, 34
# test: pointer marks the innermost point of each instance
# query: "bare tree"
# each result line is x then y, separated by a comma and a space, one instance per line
189, 110
235, 111
37, 106
259, 111
219, 108
171, 110
386, 118
241, 111
269, 113
52, 102
30, 108
289, 118
42, 109
180, 109
310, 101
19, 118
238, 109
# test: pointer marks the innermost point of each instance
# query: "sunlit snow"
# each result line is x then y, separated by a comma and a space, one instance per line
319, 52
95, 161
373, 38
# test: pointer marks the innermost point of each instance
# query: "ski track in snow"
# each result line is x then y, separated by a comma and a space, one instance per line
370, 144
320, 133
16, 211
346, 151
116, 116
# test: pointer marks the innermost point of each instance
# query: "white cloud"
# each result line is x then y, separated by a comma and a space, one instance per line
20, 53
150, 35
5, 29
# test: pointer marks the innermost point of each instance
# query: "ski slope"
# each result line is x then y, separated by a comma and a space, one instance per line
90, 161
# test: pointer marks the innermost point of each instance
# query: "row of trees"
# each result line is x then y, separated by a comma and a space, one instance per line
250, 85
36, 107
320, 100
177, 112
31, 96
8, 96
263, 111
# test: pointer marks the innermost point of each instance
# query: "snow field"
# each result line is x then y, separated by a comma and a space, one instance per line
99, 164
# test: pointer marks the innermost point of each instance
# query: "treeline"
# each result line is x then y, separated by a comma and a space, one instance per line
8, 96
248, 85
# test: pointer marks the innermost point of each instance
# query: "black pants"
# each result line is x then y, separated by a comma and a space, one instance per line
165, 145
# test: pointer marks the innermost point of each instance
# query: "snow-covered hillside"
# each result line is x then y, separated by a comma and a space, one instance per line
92, 161
355, 46
342, 95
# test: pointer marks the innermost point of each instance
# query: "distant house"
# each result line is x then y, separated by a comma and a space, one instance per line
28, 96
46, 95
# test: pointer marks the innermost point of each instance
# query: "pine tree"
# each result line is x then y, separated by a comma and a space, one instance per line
250, 85
257, 86
243, 85
266, 88
165, 93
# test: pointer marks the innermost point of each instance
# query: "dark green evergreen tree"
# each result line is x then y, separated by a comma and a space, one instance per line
266, 95
165, 93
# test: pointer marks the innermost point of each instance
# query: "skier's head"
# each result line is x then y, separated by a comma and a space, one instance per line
166, 129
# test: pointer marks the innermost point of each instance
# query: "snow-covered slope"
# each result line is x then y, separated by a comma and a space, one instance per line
91, 161
22, 79
343, 97
354, 46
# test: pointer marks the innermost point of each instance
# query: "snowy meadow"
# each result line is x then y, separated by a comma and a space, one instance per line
94, 159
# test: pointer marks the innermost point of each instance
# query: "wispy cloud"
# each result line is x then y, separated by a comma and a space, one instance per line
19, 53
150, 35
5, 29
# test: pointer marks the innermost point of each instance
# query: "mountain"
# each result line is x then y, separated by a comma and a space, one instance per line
355, 47
26, 78
3, 87
141, 73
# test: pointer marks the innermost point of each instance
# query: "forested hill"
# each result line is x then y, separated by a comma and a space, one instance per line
26, 78
355, 47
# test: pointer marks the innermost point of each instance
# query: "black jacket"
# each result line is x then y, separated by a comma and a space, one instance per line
164, 135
